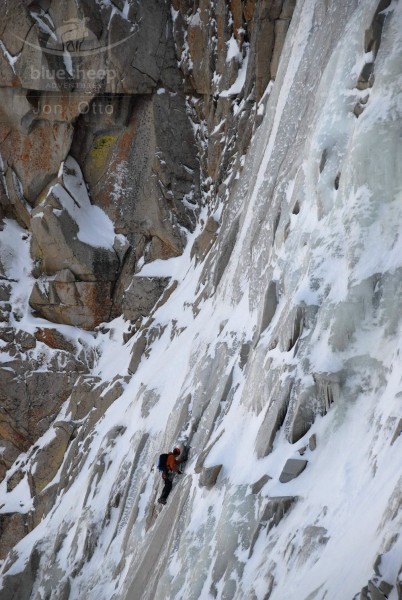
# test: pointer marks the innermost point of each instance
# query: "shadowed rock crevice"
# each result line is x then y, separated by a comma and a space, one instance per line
270, 305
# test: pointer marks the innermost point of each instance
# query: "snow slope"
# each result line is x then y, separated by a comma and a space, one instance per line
292, 327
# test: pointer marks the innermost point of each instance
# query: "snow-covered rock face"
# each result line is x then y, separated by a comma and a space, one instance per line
278, 357
108, 182
94, 85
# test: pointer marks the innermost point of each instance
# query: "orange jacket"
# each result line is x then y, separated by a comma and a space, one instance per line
171, 462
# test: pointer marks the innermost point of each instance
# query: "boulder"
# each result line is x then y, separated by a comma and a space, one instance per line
209, 476
258, 485
84, 304
199, 465
56, 243
54, 339
312, 445
24, 340
312, 442
292, 469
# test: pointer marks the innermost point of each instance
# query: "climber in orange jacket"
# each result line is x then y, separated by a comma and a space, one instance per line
172, 467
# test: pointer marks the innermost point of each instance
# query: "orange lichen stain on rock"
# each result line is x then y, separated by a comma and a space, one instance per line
236, 10
9, 433
53, 339
38, 147
26, 155
125, 142
249, 9
96, 297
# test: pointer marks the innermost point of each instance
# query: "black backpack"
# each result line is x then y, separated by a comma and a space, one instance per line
162, 466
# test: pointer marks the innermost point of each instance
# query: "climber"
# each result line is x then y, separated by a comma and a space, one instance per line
169, 465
